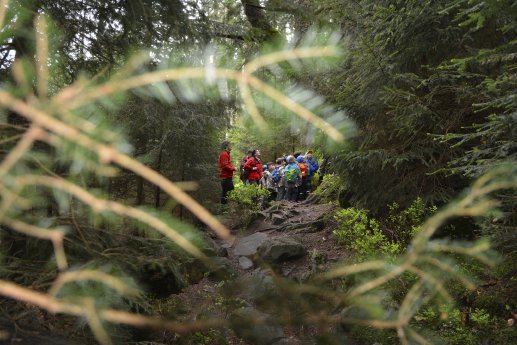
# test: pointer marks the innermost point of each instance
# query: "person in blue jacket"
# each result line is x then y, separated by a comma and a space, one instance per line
313, 168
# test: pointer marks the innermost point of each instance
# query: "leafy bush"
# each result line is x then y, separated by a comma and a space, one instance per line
362, 234
404, 224
246, 201
329, 188
248, 195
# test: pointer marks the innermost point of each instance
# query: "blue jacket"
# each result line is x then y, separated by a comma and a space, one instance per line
313, 165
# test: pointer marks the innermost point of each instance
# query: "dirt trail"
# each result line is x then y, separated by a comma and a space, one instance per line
309, 225
306, 222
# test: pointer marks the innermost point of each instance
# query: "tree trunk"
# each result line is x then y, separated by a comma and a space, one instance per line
157, 189
182, 178
256, 16
23, 47
110, 186
139, 190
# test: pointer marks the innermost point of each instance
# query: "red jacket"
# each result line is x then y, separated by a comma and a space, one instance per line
226, 168
255, 168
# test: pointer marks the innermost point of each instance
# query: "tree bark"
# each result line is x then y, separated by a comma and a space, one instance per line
255, 14
23, 45
158, 190
139, 190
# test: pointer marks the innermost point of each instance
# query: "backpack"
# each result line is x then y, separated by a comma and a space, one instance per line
245, 173
303, 169
242, 170
290, 174
276, 175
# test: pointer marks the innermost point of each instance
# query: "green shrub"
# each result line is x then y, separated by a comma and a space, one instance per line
329, 188
362, 234
246, 201
481, 317
404, 224
248, 195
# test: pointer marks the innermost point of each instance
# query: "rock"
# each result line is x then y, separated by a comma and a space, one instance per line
277, 219
255, 327
287, 270
248, 245
222, 252
280, 249
304, 277
260, 218
221, 268
288, 341
215, 249
257, 286
245, 263
308, 226
161, 280
262, 226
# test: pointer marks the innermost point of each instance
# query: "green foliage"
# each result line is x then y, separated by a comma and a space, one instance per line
429, 85
246, 201
404, 224
316, 256
329, 188
414, 68
207, 337
248, 195
362, 234
445, 321
103, 294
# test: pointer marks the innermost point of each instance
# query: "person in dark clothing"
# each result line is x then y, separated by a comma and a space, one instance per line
324, 167
244, 173
226, 170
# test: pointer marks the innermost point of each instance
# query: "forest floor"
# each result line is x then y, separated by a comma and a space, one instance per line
309, 224
286, 243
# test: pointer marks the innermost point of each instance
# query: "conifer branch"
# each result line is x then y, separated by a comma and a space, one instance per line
95, 275
24, 145
54, 235
42, 56
55, 306
4, 6
99, 205
109, 154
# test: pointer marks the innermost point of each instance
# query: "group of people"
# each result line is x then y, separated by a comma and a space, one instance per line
289, 178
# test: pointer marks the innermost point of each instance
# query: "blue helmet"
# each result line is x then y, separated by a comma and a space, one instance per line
300, 159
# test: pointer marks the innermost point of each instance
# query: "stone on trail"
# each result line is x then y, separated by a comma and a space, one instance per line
245, 263
277, 219
280, 248
248, 245
256, 327
288, 341
222, 268
258, 287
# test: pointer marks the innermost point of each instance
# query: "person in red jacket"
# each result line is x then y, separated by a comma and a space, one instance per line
254, 167
226, 170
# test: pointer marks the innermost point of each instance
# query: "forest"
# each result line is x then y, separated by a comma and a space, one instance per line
118, 224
